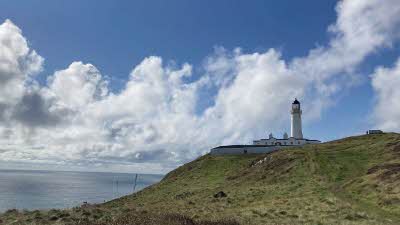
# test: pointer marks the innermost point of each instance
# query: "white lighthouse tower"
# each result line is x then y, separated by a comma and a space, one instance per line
296, 131
272, 143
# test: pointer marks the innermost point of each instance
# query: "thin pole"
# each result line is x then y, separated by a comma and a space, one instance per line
134, 184
113, 193
117, 187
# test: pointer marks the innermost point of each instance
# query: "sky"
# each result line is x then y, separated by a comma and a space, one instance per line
144, 86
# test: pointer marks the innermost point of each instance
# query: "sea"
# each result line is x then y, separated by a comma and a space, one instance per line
32, 190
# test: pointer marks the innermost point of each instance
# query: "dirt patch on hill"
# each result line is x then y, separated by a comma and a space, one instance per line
394, 148
387, 172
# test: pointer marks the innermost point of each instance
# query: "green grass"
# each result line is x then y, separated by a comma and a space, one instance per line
96, 215
326, 184
355, 180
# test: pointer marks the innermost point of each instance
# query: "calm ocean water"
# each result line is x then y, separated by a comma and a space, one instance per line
49, 189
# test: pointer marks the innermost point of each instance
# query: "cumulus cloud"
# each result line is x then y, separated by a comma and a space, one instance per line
386, 83
362, 27
17, 63
34, 111
77, 86
155, 120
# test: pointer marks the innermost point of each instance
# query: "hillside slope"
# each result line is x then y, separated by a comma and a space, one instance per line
355, 180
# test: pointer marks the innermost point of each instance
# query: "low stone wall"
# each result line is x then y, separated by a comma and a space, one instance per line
244, 150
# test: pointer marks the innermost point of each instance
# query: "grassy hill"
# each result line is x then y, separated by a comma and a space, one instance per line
355, 180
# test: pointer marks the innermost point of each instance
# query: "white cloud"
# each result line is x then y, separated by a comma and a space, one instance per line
154, 121
17, 63
362, 28
386, 84
77, 86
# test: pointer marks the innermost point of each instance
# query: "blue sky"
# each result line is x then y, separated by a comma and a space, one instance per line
116, 36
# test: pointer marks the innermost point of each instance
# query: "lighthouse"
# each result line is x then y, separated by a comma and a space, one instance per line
296, 131
272, 143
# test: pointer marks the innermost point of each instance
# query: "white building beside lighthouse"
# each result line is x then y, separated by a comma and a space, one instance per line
272, 143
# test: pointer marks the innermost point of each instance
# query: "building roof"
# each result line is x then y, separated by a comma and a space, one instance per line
287, 139
244, 146
296, 102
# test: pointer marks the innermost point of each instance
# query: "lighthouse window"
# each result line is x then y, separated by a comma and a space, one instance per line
291, 142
